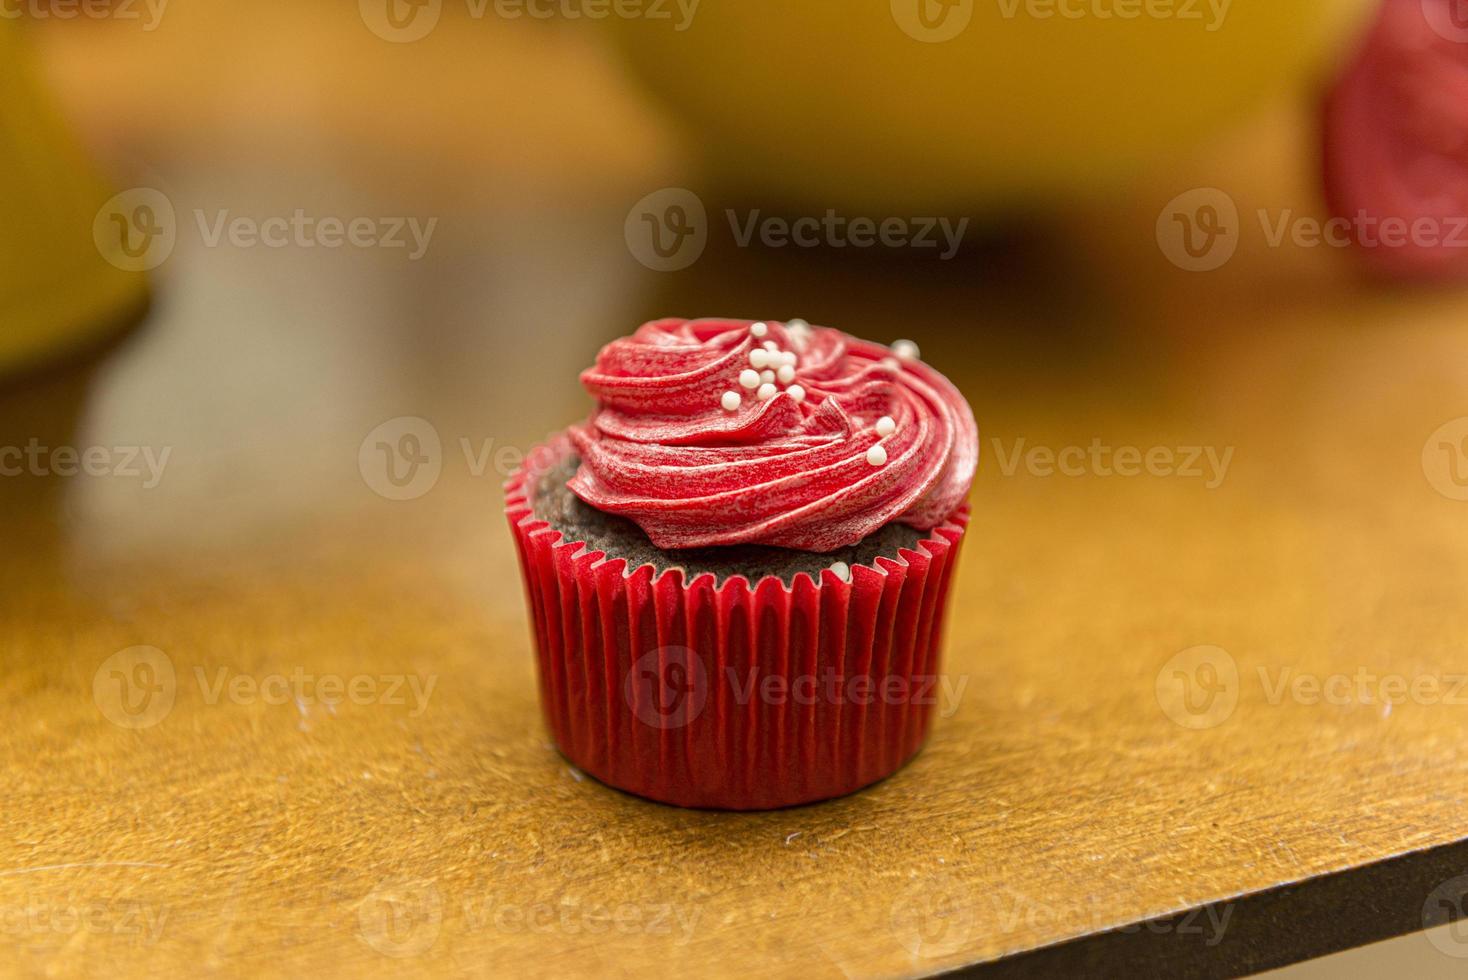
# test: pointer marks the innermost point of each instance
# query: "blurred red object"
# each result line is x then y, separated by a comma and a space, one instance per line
1396, 142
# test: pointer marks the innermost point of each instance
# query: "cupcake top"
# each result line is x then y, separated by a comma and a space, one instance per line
728, 432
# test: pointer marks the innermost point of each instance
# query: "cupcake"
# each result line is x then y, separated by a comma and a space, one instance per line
737, 568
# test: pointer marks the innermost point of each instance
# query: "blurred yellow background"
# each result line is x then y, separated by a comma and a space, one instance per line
968, 103
56, 290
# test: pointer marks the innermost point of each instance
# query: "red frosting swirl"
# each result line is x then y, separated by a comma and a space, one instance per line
663, 451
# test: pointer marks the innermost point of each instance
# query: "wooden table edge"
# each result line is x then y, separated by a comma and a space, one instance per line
1265, 930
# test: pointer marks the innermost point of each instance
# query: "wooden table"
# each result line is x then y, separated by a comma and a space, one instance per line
1132, 766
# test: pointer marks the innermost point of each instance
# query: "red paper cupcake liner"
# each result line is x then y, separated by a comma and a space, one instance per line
740, 696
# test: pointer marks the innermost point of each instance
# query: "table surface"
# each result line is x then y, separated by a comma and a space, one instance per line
1168, 687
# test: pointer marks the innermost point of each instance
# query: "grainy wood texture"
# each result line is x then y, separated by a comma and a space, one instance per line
426, 825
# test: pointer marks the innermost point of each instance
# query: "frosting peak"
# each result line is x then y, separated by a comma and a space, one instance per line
724, 432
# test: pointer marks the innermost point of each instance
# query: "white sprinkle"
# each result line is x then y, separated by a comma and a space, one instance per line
786, 374
749, 378
766, 392
841, 571
730, 401
789, 357
759, 329
906, 350
796, 392
759, 357
799, 332
877, 456
885, 426
771, 345
767, 376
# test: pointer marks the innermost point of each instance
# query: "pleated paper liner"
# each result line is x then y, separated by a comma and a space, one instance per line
734, 696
